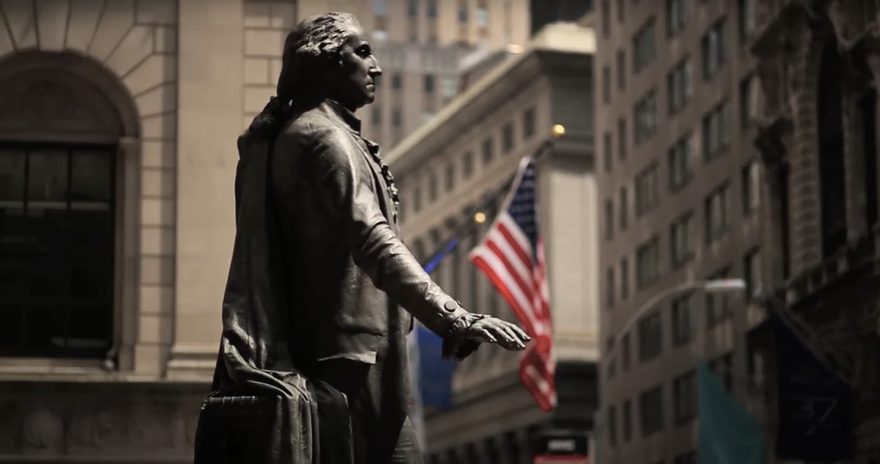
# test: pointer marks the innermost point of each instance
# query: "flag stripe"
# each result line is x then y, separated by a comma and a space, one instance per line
511, 255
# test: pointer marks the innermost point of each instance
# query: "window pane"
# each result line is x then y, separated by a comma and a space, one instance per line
91, 176
12, 175
47, 175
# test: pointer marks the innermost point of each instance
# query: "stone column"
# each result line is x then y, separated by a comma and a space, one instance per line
772, 142
852, 89
873, 61
210, 108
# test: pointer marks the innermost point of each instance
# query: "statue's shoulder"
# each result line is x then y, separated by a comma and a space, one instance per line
309, 127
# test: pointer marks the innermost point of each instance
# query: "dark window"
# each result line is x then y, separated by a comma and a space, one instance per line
751, 187
56, 250
488, 150
432, 186
396, 81
606, 84
680, 165
462, 11
625, 352
528, 123
607, 151
609, 219
752, 271
715, 132
712, 46
651, 411
467, 165
831, 169
682, 328
644, 46
507, 138
627, 421
676, 16
624, 278
650, 337
376, 115
684, 397
429, 83
621, 69
624, 208
605, 11
645, 116
432, 8
621, 139
450, 176
417, 199
678, 84
647, 189
396, 118
412, 9
609, 287
681, 250
716, 214
648, 262
745, 19
747, 89
621, 11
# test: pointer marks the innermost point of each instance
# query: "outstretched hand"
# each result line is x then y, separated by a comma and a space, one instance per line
493, 330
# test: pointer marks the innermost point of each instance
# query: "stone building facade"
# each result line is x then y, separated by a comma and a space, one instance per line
453, 168
819, 70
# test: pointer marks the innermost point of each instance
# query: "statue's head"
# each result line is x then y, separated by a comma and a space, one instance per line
328, 56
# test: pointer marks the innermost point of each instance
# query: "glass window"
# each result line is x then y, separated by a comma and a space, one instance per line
412, 9
467, 164
676, 16
431, 9
376, 115
716, 214
752, 268
462, 11
621, 69
625, 353
680, 242
645, 116
607, 151
482, 15
429, 83
609, 219
380, 7
621, 139
432, 186
680, 165
396, 117
747, 101
647, 189
450, 176
684, 397
621, 11
751, 187
712, 46
682, 327
610, 288
644, 48
417, 199
651, 411
56, 250
488, 150
624, 278
648, 262
678, 84
507, 137
396, 81
745, 19
624, 208
605, 11
715, 132
450, 87
528, 123
650, 337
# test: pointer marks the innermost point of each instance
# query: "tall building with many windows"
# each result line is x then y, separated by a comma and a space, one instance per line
679, 195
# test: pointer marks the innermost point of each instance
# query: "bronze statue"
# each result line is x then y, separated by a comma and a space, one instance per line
312, 363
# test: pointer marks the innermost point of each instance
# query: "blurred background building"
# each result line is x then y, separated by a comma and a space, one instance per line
680, 194
450, 173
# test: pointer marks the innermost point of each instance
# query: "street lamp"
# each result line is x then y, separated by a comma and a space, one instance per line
714, 286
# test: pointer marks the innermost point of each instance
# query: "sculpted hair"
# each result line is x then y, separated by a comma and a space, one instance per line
315, 41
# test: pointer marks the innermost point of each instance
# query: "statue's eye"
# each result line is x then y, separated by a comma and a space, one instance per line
364, 51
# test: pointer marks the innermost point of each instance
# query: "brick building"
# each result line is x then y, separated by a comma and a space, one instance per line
819, 70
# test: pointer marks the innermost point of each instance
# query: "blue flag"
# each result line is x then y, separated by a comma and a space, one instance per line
434, 372
728, 433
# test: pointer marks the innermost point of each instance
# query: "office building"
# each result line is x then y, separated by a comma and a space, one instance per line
680, 196
453, 168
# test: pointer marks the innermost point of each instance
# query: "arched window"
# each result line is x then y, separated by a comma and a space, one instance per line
59, 136
831, 170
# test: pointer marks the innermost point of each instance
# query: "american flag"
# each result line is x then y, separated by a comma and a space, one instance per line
512, 257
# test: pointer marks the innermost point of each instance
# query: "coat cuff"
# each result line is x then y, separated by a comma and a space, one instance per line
455, 341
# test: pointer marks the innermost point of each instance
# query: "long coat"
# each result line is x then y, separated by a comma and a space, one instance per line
317, 275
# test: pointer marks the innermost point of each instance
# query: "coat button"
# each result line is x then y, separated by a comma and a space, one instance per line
450, 305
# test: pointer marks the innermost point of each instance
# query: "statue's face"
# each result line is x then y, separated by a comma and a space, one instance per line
356, 84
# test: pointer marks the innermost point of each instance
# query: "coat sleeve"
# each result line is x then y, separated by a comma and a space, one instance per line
345, 187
